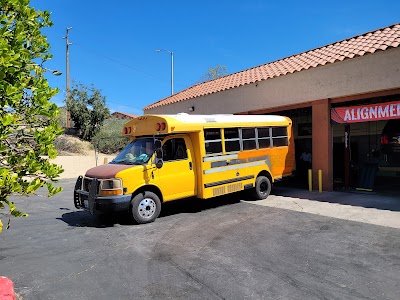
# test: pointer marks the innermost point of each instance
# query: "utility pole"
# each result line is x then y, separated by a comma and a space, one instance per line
172, 67
172, 72
67, 44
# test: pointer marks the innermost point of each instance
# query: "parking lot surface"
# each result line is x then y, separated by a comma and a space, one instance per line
221, 248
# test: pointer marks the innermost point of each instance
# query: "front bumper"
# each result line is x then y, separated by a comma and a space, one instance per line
92, 202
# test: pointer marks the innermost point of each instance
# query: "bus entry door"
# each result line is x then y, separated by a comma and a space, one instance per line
177, 175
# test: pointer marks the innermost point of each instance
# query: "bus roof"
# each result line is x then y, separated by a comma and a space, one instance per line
226, 118
183, 122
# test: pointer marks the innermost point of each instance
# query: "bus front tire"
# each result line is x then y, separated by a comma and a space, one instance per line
145, 207
262, 188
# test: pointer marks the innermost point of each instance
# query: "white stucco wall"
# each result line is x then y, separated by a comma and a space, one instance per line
369, 73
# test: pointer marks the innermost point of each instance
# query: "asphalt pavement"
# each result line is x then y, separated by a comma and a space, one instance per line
222, 248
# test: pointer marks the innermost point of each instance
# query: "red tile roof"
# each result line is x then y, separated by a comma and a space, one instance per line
119, 114
377, 40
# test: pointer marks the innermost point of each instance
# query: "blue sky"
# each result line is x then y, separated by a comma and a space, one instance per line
114, 42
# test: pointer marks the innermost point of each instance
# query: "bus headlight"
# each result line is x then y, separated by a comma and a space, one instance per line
111, 187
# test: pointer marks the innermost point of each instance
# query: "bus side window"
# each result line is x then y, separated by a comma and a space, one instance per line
213, 140
167, 151
264, 137
180, 152
174, 149
279, 136
248, 139
232, 139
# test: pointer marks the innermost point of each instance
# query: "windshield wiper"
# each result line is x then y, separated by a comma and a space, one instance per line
116, 161
122, 162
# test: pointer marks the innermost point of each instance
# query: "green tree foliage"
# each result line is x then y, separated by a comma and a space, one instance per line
214, 72
88, 109
62, 118
108, 140
28, 120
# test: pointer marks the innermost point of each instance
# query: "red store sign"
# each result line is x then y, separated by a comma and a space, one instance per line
365, 113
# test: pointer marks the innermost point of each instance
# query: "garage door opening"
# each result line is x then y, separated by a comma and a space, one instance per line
366, 152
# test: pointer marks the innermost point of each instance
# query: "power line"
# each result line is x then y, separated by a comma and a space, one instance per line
91, 50
117, 61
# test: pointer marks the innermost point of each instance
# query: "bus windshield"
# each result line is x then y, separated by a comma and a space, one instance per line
138, 152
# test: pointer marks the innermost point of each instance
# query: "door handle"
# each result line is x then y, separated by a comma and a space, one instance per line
190, 165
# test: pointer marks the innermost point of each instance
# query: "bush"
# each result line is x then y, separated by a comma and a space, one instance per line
70, 144
62, 117
109, 139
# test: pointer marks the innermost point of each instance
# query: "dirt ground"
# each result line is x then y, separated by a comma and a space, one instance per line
75, 165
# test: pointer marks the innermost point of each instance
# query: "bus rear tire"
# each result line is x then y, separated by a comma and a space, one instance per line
262, 188
145, 207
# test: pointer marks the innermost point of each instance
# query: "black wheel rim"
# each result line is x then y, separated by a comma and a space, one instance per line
264, 188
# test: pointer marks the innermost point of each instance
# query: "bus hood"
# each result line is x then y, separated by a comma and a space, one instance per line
106, 171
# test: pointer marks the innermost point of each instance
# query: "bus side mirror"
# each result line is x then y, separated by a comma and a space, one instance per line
159, 154
159, 163
157, 144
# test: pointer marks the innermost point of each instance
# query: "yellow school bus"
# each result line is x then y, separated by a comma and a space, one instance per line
178, 156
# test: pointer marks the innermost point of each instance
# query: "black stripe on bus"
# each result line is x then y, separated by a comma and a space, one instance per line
222, 182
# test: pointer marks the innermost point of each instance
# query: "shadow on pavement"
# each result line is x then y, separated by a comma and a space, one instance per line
195, 205
348, 197
189, 205
85, 219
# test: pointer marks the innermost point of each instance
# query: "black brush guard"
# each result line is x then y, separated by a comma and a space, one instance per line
77, 197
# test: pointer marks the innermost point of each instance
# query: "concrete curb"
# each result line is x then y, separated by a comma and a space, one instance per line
6, 289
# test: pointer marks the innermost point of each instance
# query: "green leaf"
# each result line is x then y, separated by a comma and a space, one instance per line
52, 153
25, 107
7, 119
18, 214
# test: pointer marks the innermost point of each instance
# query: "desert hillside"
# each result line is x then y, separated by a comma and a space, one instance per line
67, 145
77, 156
